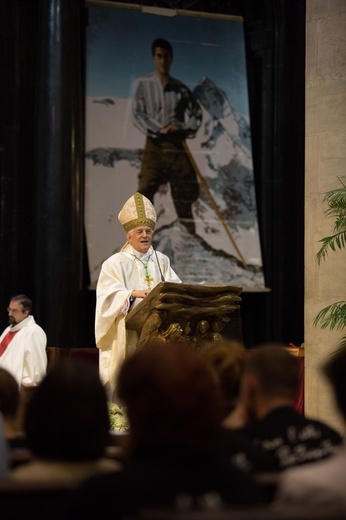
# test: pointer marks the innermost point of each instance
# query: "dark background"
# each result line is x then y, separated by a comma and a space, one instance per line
42, 242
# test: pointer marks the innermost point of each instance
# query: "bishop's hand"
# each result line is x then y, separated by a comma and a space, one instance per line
143, 293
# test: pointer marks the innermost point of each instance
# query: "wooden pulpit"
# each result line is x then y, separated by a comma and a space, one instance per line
194, 313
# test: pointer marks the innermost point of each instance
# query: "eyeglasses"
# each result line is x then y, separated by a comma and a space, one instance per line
14, 311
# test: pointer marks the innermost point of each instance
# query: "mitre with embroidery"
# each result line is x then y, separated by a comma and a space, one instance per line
137, 211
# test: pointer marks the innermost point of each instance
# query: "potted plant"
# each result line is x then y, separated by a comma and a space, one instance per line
334, 316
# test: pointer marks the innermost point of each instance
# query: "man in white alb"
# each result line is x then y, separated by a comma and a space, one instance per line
125, 279
166, 111
23, 344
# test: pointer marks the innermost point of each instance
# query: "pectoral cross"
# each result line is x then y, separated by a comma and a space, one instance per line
148, 279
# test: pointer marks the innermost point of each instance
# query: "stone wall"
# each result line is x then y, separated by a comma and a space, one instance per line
325, 161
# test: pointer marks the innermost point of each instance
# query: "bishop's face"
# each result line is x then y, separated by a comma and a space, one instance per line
140, 238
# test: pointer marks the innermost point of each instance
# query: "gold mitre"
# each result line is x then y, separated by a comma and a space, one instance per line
137, 211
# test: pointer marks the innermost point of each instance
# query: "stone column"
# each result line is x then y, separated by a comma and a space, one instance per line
59, 176
325, 161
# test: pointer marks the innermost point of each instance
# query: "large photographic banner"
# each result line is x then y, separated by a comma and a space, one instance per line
205, 199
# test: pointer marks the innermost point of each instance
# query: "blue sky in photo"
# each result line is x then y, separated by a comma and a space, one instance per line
119, 50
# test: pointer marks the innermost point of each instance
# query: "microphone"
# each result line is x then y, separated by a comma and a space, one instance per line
158, 263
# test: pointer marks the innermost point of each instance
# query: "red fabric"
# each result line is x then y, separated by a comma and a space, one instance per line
299, 402
6, 341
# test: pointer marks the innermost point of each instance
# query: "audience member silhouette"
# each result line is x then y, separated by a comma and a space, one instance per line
66, 426
174, 407
3, 453
10, 407
9, 404
227, 359
322, 484
269, 389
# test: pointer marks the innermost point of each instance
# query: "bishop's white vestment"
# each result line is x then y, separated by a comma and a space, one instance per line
25, 357
121, 274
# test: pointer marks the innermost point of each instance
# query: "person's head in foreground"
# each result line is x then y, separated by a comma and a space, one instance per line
172, 399
9, 402
67, 416
335, 370
227, 358
271, 378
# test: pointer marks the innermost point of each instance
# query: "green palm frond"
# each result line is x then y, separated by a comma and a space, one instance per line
333, 316
336, 200
333, 242
341, 347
